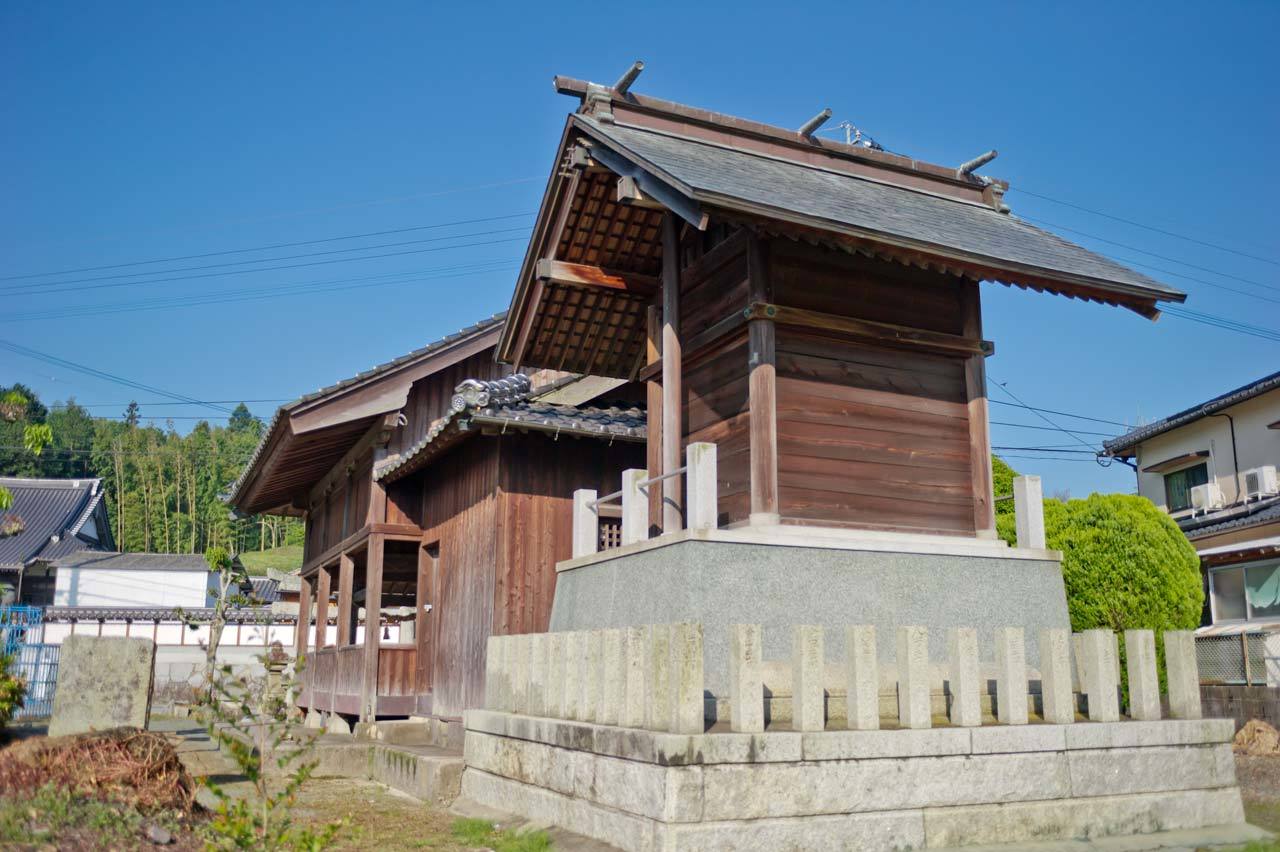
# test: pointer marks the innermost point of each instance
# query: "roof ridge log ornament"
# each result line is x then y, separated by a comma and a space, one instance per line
810, 127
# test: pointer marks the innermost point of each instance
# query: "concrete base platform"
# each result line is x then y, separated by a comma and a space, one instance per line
1192, 840
873, 790
425, 772
780, 580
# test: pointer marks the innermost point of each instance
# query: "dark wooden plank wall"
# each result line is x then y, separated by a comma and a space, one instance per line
459, 511
325, 524
870, 435
715, 410
429, 397
537, 478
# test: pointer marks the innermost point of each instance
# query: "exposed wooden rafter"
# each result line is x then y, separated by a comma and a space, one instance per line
585, 275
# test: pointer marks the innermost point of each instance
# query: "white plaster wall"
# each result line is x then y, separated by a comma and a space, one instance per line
1256, 445
77, 586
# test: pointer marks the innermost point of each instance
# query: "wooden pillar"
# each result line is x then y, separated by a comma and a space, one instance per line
975, 376
303, 626
323, 581
762, 390
422, 622
346, 578
672, 408
372, 631
653, 387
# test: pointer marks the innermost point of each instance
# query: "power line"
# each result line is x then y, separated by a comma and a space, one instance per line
1043, 417
1224, 323
1048, 458
166, 402
367, 203
1147, 227
1060, 413
1051, 429
1173, 260
1048, 450
55, 287
102, 374
262, 248
258, 294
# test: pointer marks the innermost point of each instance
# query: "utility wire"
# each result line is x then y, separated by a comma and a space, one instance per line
1224, 323
1167, 233
56, 286
254, 294
102, 374
262, 248
1060, 413
1051, 429
1045, 418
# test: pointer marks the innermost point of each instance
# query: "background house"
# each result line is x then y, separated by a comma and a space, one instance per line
56, 518
1213, 467
91, 579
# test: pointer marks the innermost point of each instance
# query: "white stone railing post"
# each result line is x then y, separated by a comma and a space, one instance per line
862, 692
635, 506
688, 713
586, 523
1057, 699
1028, 507
1101, 675
1011, 676
808, 662
1184, 674
746, 683
912, 660
701, 502
1144, 682
964, 677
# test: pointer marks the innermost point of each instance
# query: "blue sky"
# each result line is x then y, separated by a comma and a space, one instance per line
141, 131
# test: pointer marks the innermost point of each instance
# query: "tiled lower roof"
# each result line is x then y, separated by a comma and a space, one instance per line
198, 615
1265, 513
503, 403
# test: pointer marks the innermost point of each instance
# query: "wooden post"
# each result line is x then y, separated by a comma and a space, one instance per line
586, 522
303, 626
762, 390
653, 389
672, 408
372, 633
421, 626
346, 581
975, 376
323, 581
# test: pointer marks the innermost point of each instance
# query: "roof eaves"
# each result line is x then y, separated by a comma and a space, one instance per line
234, 492
1122, 444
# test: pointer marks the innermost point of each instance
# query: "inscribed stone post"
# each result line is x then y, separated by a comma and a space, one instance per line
862, 694
1011, 676
807, 663
746, 686
913, 677
964, 677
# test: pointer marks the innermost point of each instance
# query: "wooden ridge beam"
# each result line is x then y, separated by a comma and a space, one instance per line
870, 330
595, 277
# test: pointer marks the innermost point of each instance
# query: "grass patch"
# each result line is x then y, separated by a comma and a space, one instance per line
479, 832
285, 558
56, 817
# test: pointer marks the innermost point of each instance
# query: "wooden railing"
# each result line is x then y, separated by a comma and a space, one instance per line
701, 506
334, 677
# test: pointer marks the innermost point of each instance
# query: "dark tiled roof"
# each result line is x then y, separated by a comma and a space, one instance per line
505, 403
196, 614
1263, 513
737, 178
49, 509
233, 492
265, 591
1129, 440
134, 561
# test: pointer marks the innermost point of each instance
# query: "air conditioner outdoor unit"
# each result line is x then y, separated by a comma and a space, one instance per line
1260, 481
1206, 498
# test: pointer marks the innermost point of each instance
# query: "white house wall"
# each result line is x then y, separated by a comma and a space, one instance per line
1256, 445
106, 587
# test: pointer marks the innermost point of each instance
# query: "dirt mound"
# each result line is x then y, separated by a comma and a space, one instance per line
136, 768
1257, 739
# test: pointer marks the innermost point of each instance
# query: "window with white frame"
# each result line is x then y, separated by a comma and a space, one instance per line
1245, 592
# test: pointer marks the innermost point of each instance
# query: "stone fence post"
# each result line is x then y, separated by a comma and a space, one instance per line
1028, 507
586, 523
702, 506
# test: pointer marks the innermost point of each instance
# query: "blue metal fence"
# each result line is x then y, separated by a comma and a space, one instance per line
37, 664
33, 660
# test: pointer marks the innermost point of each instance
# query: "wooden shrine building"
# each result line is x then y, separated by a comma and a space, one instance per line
810, 307
436, 491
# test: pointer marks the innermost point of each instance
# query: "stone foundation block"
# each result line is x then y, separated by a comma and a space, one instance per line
1118, 771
